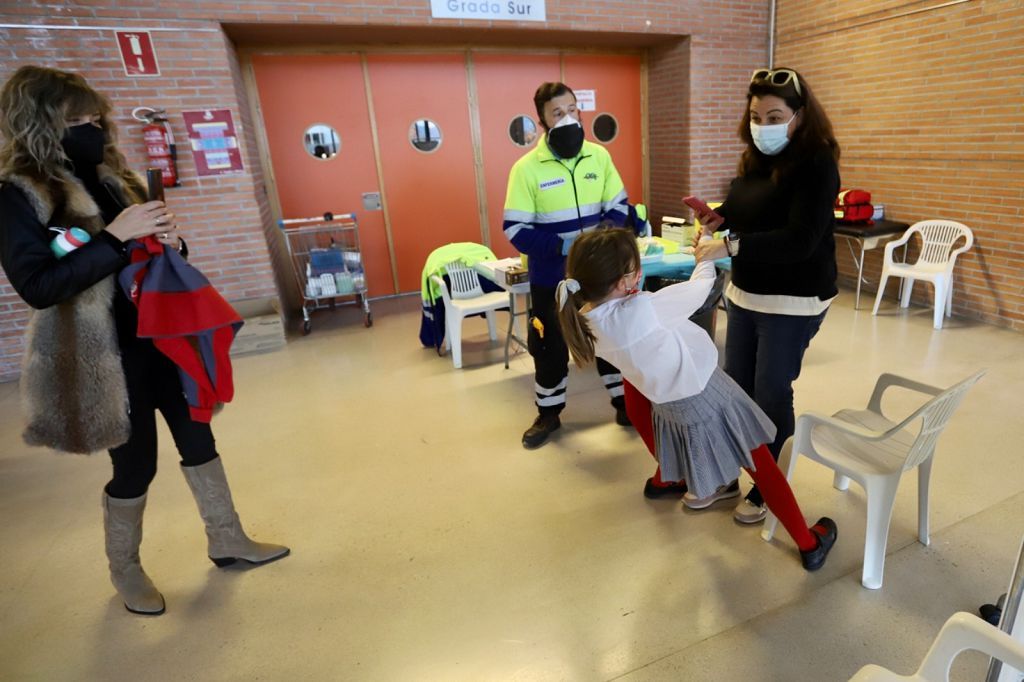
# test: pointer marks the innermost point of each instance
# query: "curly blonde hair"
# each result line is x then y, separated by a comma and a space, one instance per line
35, 104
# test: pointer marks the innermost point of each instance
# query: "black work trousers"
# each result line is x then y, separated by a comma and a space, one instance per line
551, 357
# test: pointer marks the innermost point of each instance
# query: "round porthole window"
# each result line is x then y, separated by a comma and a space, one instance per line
425, 135
605, 127
321, 141
522, 131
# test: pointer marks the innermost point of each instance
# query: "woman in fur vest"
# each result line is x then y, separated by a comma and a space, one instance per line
89, 383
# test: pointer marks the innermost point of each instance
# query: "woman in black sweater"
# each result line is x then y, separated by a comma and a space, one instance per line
779, 213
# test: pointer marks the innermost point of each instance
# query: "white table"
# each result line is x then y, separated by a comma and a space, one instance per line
488, 269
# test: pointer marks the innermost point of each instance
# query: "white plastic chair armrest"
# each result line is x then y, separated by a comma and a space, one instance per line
808, 420
952, 256
444, 288
968, 243
895, 244
888, 380
962, 632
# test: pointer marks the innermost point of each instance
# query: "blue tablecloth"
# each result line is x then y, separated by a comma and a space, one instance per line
676, 265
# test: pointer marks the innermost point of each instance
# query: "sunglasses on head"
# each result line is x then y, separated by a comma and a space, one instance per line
777, 78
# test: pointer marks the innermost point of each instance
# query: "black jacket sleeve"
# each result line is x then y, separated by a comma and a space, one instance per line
808, 219
39, 277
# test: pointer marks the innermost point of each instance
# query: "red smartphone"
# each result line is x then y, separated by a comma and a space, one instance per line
697, 205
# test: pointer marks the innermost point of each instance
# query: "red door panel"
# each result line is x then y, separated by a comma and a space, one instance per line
505, 85
297, 91
616, 82
432, 197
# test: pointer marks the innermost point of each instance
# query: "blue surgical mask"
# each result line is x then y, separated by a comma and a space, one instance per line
771, 139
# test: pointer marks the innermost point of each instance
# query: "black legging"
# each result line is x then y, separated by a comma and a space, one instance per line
153, 384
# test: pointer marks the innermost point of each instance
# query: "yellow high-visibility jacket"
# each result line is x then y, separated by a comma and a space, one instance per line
550, 200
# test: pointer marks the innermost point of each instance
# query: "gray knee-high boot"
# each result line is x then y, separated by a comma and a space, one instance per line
122, 525
227, 542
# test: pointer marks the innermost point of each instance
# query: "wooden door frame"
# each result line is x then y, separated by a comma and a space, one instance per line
372, 113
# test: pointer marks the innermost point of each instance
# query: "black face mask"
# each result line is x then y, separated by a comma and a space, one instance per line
84, 144
566, 141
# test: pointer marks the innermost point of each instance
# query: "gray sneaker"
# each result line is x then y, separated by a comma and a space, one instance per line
724, 492
748, 512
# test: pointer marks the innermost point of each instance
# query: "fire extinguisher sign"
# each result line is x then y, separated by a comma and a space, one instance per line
137, 53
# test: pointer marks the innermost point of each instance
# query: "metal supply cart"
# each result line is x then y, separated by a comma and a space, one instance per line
327, 262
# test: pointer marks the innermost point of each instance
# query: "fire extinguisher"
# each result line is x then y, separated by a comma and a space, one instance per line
160, 147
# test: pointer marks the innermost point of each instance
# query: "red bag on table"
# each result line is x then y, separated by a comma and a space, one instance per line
854, 206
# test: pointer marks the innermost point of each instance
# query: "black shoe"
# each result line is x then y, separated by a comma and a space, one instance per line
621, 418
815, 558
990, 613
543, 426
653, 492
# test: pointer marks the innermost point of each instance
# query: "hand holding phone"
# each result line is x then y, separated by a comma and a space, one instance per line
698, 206
155, 182
708, 219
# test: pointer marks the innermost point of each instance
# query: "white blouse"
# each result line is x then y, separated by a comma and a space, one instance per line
652, 341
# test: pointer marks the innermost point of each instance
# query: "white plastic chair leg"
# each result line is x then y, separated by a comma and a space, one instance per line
881, 494
881, 291
949, 297
492, 328
840, 482
908, 287
455, 334
924, 475
940, 303
770, 524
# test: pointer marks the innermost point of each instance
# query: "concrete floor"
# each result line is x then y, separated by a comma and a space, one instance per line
428, 545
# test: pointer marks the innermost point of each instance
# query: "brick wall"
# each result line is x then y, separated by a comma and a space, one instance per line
220, 217
927, 109
697, 79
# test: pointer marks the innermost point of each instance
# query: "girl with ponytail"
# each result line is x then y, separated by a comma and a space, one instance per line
705, 427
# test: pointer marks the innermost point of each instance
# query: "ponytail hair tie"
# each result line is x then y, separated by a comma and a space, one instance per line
565, 287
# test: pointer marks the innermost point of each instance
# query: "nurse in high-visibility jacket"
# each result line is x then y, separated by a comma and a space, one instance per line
563, 187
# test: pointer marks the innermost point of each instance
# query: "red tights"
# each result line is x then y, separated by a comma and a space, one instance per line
774, 487
779, 498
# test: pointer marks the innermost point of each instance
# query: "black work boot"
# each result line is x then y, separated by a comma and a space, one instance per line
543, 426
621, 418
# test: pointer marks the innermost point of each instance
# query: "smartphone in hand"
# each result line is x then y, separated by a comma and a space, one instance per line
155, 182
697, 205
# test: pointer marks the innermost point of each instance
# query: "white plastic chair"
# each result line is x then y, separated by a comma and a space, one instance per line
934, 263
961, 632
466, 298
874, 451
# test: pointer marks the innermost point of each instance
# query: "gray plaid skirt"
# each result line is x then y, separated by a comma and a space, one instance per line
706, 438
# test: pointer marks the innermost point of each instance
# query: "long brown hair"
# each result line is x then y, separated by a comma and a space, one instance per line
813, 134
597, 261
34, 105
